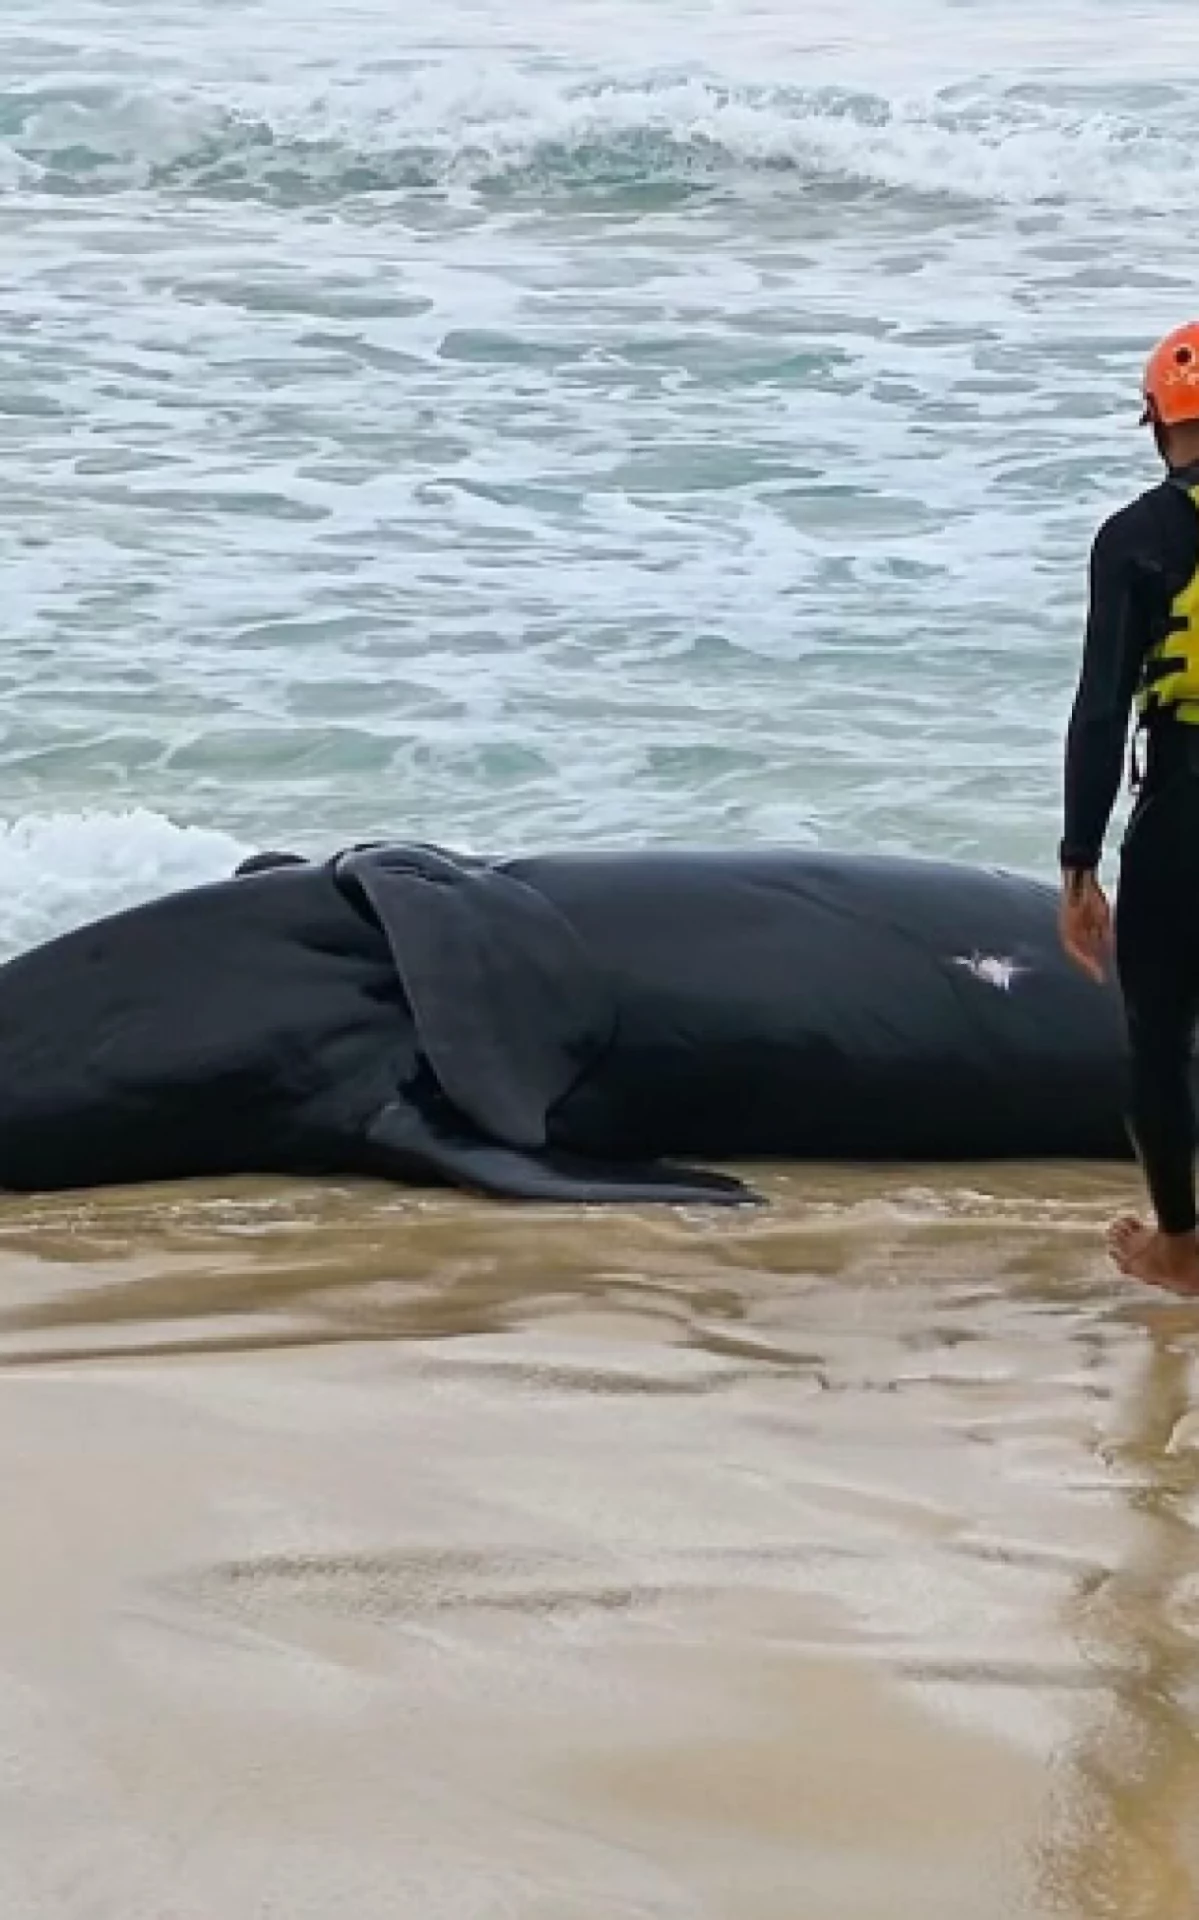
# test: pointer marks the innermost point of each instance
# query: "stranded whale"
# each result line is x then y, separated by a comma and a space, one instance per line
558, 1026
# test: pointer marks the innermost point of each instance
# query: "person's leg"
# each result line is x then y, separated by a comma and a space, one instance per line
1157, 954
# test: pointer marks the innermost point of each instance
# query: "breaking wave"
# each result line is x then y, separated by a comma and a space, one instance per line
443, 129
59, 870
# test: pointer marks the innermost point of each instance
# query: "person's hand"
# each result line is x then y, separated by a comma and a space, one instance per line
1085, 923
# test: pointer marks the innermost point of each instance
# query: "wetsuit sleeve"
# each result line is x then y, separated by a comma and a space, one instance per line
1114, 648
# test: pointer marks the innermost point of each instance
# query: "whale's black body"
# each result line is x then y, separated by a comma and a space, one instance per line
557, 1026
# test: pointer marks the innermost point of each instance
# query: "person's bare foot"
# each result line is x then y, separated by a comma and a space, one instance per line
1160, 1259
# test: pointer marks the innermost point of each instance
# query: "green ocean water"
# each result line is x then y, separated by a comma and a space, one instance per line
616, 422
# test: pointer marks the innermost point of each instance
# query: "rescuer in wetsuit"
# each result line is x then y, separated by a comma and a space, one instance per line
1142, 648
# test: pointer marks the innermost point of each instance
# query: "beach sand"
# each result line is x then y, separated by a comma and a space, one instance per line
397, 1556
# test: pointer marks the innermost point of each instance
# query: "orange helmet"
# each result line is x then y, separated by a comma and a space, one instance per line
1171, 382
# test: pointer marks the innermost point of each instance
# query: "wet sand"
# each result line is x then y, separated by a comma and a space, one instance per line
394, 1557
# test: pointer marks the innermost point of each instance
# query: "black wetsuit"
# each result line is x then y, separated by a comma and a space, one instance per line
1142, 557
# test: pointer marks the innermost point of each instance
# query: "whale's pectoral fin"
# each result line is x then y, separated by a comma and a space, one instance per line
411, 1145
508, 1006
509, 1010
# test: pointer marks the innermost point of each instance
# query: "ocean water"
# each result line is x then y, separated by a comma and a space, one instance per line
525, 424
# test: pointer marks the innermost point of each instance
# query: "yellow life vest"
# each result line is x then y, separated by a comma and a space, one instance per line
1170, 679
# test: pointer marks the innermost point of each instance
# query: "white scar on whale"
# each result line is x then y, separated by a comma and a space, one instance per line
992, 970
